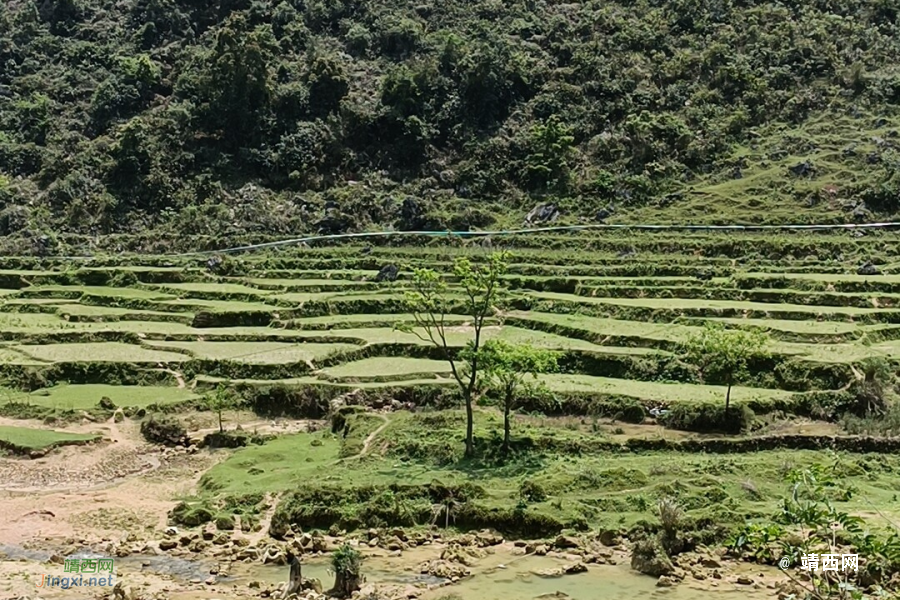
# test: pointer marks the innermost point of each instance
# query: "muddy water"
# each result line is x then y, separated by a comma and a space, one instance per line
503, 576
498, 576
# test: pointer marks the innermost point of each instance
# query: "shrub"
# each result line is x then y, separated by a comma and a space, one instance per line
532, 491
709, 418
164, 429
191, 514
225, 522
632, 413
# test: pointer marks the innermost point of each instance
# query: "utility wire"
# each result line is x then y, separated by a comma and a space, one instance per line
532, 230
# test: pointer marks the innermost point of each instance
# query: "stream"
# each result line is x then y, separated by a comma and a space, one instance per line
498, 576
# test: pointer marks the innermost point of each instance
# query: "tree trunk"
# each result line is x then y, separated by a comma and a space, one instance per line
221, 429
507, 404
728, 398
470, 427
295, 580
345, 584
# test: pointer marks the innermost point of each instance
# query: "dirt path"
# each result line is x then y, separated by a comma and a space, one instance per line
178, 377
367, 443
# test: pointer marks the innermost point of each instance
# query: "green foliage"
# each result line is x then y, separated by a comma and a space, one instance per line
430, 301
250, 103
218, 400
164, 429
725, 354
709, 418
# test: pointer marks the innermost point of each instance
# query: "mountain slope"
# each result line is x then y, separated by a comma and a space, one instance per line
204, 117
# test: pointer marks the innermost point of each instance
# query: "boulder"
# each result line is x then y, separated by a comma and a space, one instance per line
566, 541
665, 581
443, 569
609, 538
649, 558
542, 213
167, 544
868, 269
388, 273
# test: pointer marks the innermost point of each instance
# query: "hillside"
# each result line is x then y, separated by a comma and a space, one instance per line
255, 118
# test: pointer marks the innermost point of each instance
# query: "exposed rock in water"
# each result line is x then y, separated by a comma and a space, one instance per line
649, 558
444, 569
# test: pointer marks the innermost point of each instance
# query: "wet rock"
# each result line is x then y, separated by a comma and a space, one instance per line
444, 569
273, 556
665, 581
566, 541
167, 545
649, 558
570, 569
388, 273
609, 538
868, 269
484, 539
744, 580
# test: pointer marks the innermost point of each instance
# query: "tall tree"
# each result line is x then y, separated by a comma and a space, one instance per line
477, 292
511, 369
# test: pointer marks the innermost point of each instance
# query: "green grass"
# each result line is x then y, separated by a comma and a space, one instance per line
113, 292
601, 488
203, 286
387, 367
655, 391
100, 352
257, 352
82, 397
38, 439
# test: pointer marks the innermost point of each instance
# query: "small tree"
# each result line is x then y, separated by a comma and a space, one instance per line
725, 353
508, 369
432, 300
218, 400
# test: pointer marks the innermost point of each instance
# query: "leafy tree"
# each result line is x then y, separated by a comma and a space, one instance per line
724, 354
219, 400
511, 369
479, 288
546, 166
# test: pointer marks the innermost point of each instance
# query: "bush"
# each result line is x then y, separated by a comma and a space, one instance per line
191, 514
632, 413
649, 558
532, 491
709, 418
225, 522
164, 429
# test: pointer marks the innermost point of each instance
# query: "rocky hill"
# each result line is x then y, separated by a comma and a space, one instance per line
228, 118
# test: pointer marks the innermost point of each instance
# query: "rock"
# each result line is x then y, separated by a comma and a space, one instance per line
542, 213
443, 569
484, 539
373, 542
710, 563
240, 542
609, 538
211, 580
171, 530
577, 567
198, 546
254, 585
388, 273
649, 558
221, 539
803, 169
209, 532
566, 541
250, 553
305, 540
167, 545
274, 556
570, 569
744, 580
541, 550
868, 269
665, 581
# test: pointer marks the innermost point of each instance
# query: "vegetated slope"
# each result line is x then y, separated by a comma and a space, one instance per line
260, 117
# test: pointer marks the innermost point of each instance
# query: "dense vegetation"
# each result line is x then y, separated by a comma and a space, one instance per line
222, 117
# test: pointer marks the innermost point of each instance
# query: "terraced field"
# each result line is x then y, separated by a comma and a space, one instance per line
314, 335
322, 317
